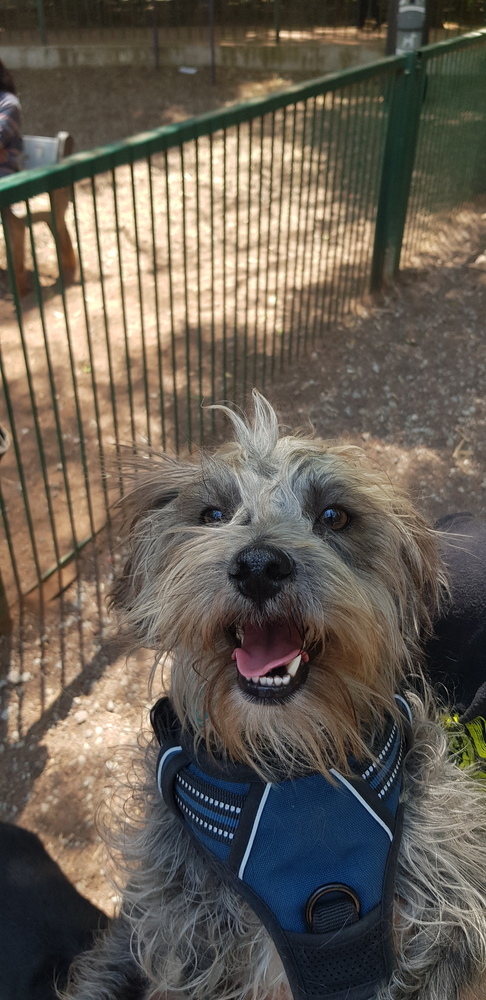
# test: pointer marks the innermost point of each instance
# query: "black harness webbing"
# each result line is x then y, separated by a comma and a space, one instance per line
314, 859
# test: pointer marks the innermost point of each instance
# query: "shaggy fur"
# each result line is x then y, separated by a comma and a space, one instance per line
358, 584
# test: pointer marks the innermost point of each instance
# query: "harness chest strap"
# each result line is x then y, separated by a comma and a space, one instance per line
315, 860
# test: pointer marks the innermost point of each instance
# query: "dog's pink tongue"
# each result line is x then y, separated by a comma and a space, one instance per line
265, 648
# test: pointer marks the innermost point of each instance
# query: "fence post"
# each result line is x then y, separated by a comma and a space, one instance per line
391, 19
155, 36
41, 22
276, 20
396, 173
212, 48
5, 619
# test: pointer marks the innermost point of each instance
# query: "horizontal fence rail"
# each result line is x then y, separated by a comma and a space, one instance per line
210, 254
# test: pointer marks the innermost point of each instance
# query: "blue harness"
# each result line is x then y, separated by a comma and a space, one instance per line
315, 860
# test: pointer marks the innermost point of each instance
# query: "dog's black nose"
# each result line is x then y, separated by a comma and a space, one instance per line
260, 570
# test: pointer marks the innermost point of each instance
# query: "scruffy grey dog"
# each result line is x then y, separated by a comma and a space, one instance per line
291, 586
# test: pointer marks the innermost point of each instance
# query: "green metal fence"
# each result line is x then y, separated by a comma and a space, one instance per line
211, 254
450, 156
186, 21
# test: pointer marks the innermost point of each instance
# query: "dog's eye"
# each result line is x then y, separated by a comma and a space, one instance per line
334, 518
212, 515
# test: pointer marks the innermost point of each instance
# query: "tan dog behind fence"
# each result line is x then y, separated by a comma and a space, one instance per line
42, 151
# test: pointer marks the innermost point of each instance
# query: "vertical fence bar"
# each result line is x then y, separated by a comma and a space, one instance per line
248, 245
287, 242
315, 249
268, 244
277, 250
77, 402
5, 616
258, 248
212, 46
187, 328
33, 398
41, 21
106, 323
128, 360
335, 204
160, 361
212, 275
358, 156
155, 36
342, 214
198, 283
225, 373
308, 236
171, 306
141, 306
298, 223
378, 102
327, 209
93, 370
365, 156
276, 19
234, 369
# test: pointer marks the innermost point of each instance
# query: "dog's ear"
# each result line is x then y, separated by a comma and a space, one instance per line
426, 578
155, 483
146, 510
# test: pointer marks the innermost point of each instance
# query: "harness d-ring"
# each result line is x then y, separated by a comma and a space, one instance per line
331, 907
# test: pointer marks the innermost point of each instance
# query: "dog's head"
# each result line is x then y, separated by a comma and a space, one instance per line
291, 584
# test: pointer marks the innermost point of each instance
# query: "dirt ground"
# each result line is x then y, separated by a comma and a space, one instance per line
200, 277
405, 379
103, 105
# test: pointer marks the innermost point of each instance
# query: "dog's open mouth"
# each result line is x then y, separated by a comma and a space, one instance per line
271, 663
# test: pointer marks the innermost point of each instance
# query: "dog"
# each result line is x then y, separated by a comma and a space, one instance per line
44, 921
301, 829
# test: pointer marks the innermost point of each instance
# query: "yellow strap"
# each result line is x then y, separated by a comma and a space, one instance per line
467, 742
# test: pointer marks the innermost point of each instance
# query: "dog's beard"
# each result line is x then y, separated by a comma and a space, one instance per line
353, 633
331, 718
350, 673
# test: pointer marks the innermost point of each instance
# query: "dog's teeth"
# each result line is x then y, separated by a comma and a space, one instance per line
293, 666
267, 680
